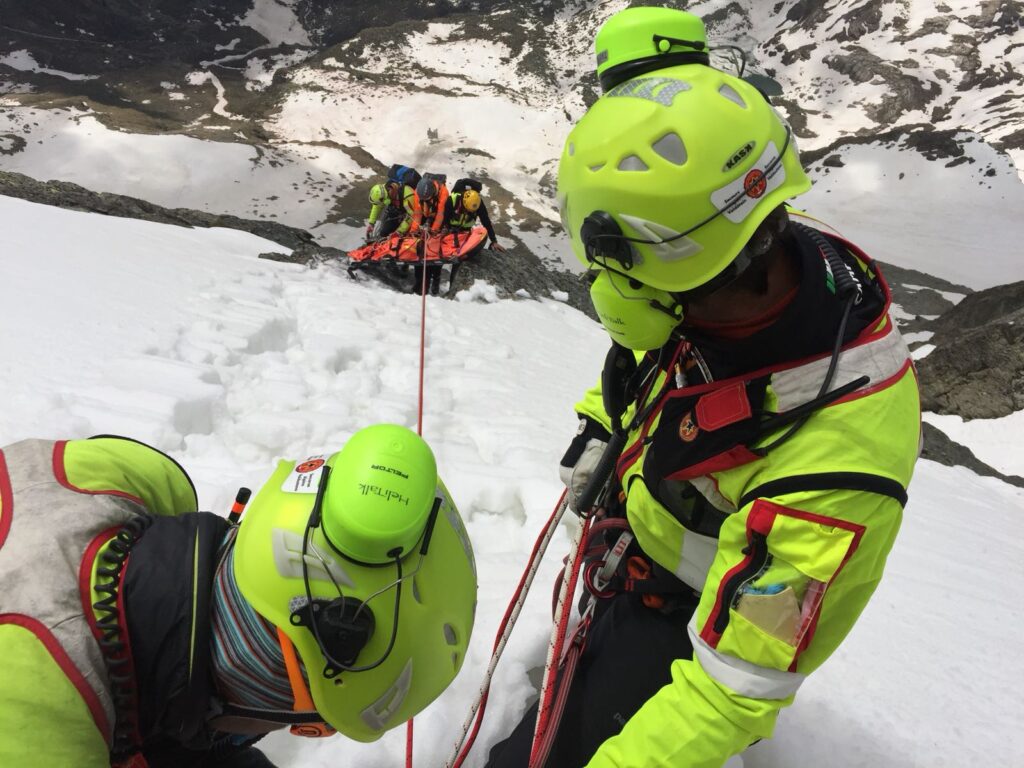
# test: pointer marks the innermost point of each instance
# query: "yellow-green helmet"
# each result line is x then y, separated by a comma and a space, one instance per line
379, 194
372, 536
667, 176
639, 40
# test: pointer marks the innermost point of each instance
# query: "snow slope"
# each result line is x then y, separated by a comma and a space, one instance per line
185, 339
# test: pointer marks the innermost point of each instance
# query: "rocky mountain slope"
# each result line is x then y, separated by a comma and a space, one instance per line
324, 96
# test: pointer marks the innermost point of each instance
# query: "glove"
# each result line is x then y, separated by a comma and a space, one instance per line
582, 457
369, 231
496, 247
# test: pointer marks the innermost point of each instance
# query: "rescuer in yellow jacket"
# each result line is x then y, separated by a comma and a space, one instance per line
761, 403
135, 631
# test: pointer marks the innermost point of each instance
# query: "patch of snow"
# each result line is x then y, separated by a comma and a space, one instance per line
480, 290
277, 22
997, 442
922, 352
259, 73
887, 202
24, 62
197, 78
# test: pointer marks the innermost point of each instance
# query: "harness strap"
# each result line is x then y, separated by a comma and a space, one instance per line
828, 481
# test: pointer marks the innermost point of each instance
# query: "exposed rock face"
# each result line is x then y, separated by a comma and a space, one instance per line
938, 447
67, 195
977, 367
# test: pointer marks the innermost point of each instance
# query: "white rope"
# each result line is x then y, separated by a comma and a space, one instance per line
520, 600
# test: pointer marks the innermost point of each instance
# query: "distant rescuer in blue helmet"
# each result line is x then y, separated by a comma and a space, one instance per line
762, 407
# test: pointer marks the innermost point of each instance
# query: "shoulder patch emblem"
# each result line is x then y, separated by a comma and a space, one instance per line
688, 428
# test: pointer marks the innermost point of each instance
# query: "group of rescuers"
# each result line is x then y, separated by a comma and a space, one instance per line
767, 414
410, 204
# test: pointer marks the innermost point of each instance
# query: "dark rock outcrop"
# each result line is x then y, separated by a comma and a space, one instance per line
940, 448
64, 194
977, 367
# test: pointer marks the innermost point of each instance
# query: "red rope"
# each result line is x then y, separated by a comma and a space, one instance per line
546, 706
419, 431
518, 597
423, 336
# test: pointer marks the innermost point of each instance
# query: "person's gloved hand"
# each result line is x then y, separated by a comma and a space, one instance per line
369, 231
495, 246
581, 458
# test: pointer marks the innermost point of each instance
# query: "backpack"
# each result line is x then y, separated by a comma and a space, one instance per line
403, 174
463, 184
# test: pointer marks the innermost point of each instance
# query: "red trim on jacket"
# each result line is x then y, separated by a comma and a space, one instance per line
67, 666
60, 473
6, 501
757, 522
85, 575
884, 384
761, 519
736, 456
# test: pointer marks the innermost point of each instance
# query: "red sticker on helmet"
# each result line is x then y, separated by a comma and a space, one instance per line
755, 184
310, 466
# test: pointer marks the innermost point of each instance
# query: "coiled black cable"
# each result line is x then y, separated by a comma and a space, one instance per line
124, 692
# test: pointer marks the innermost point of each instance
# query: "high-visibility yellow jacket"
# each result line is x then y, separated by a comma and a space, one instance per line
785, 549
405, 203
61, 505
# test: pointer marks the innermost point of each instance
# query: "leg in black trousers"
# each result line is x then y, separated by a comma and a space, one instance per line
627, 660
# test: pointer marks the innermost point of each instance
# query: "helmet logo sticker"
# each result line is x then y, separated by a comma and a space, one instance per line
688, 428
286, 548
755, 183
738, 199
660, 90
368, 489
305, 476
738, 155
376, 715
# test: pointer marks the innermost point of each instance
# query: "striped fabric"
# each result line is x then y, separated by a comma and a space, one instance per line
247, 659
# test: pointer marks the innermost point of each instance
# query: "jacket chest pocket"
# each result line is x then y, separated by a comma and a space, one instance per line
768, 603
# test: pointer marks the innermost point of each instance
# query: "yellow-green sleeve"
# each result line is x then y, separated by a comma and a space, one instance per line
132, 468
790, 578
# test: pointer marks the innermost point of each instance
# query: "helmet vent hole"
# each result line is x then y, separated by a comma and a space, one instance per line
449, 634
670, 146
633, 163
730, 93
416, 591
596, 168
572, 149
455, 660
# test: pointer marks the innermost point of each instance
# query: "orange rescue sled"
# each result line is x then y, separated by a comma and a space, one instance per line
448, 247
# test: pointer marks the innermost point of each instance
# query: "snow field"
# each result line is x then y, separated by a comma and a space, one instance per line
184, 339
952, 222
287, 182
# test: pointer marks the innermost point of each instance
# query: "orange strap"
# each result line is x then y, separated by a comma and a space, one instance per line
303, 701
